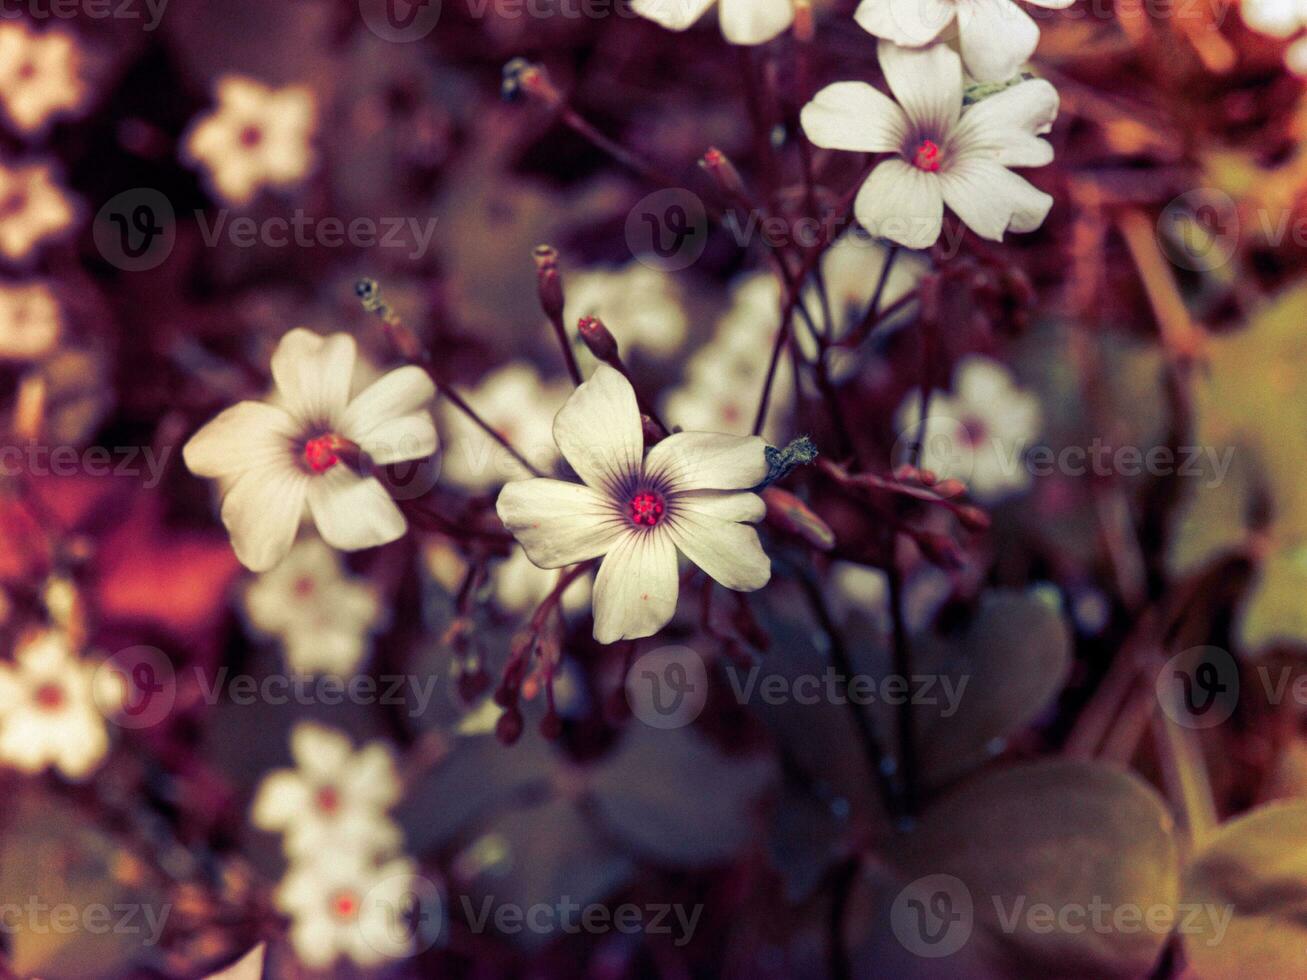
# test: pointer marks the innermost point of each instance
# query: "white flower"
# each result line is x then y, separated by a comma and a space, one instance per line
519, 586
52, 708
980, 433
689, 494
343, 907
30, 321
39, 75
334, 801
322, 616
276, 461
996, 36
640, 306
1278, 18
943, 155
33, 207
517, 404
743, 21
257, 136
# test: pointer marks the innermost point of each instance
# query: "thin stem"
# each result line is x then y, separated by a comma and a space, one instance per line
903, 668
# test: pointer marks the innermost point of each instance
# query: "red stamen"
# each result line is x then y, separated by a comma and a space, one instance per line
345, 905
928, 157
647, 509
320, 453
327, 799
251, 136
49, 697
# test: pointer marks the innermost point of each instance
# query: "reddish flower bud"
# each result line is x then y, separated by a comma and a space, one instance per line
599, 339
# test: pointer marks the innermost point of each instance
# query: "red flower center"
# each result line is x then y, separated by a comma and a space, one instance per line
327, 799
647, 508
49, 697
927, 157
974, 432
345, 904
320, 454
251, 136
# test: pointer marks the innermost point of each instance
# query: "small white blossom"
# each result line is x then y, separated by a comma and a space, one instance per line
688, 495
1280, 19
980, 433
743, 21
33, 208
942, 154
322, 616
517, 404
30, 321
52, 708
40, 75
640, 306
334, 801
996, 36
277, 461
347, 908
256, 137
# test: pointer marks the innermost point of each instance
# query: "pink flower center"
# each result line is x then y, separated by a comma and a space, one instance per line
320, 454
251, 136
49, 697
26, 71
345, 904
974, 431
327, 799
647, 508
927, 157
303, 586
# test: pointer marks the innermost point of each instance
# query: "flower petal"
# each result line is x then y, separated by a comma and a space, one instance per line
725, 506
404, 438
997, 36
319, 751
559, 523
909, 23
282, 799
1006, 127
246, 436
313, 374
635, 590
901, 203
599, 431
262, 511
754, 21
728, 551
855, 116
675, 15
992, 200
707, 461
927, 82
398, 393
353, 512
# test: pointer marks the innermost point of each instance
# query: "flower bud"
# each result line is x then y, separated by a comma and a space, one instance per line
549, 281
791, 515
719, 167
597, 337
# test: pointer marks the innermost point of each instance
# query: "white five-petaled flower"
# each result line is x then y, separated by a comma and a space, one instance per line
335, 801
322, 616
743, 21
257, 136
39, 75
942, 154
996, 36
979, 433
52, 707
274, 461
33, 207
689, 494
30, 321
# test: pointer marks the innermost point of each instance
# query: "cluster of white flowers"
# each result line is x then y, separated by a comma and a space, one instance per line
40, 76
323, 617
53, 706
347, 878
641, 306
256, 137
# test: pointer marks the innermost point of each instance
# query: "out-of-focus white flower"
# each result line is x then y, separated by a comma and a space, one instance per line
40, 75
256, 137
322, 617
942, 154
640, 306
33, 207
30, 321
334, 802
274, 461
519, 586
743, 21
348, 908
980, 433
689, 494
858, 587
1280, 19
996, 36
52, 708
517, 404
